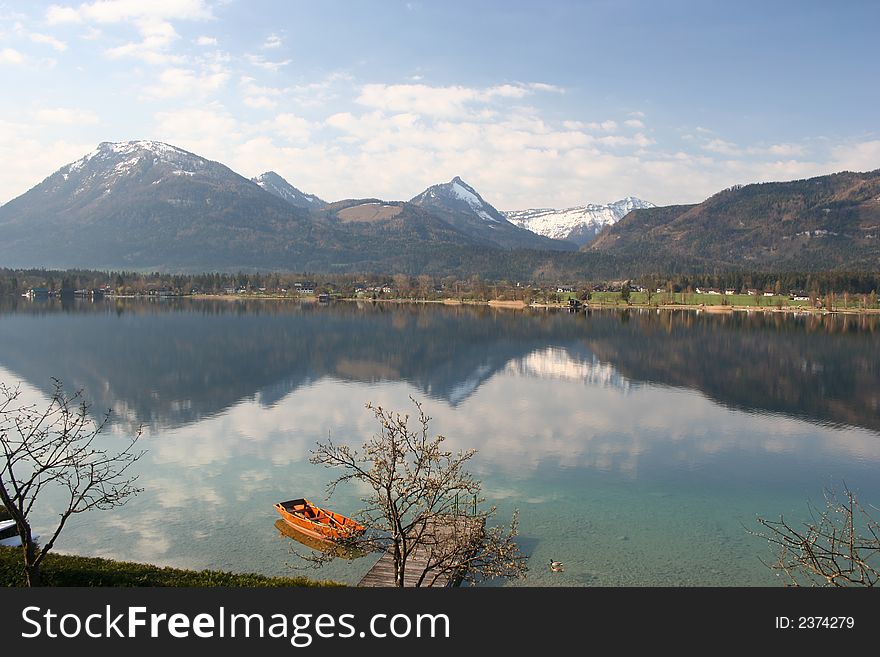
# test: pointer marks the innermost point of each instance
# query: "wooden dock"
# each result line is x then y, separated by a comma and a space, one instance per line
448, 540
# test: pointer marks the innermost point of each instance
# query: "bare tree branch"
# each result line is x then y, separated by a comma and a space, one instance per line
840, 546
57, 447
413, 505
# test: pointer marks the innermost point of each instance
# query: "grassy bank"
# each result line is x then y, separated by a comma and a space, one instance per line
67, 570
853, 304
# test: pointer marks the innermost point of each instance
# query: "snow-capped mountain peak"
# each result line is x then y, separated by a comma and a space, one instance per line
579, 224
464, 192
114, 167
275, 184
114, 161
134, 151
458, 194
460, 205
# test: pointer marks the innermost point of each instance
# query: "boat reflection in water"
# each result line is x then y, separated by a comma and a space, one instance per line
318, 522
319, 545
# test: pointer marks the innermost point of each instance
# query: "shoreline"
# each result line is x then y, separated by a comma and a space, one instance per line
62, 569
521, 305
802, 310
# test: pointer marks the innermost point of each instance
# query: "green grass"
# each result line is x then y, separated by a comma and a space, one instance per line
641, 298
67, 570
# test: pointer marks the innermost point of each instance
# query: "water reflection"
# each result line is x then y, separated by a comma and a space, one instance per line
314, 544
173, 363
558, 363
636, 446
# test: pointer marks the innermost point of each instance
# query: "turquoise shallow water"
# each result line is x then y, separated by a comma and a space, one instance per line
638, 450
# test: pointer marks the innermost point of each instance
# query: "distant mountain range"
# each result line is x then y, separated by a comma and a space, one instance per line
149, 205
579, 224
145, 205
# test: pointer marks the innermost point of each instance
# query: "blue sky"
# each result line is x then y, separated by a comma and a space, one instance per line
548, 104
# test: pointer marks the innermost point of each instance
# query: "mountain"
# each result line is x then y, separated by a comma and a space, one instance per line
275, 184
391, 227
145, 205
579, 224
148, 205
461, 206
827, 222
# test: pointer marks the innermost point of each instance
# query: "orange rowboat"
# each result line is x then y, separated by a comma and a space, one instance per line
317, 522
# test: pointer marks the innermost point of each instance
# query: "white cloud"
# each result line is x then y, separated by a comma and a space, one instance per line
157, 37
49, 40
862, 156
616, 141
11, 56
520, 159
250, 88
176, 82
116, 11
206, 41
35, 154
66, 116
56, 14
543, 86
730, 149
259, 102
594, 126
273, 41
321, 92
405, 152
292, 127
722, 147
787, 150
634, 123
436, 101
257, 96
209, 131
151, 19
504, 91
261, 62
91, 34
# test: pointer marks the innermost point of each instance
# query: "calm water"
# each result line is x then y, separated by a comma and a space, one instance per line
638, 447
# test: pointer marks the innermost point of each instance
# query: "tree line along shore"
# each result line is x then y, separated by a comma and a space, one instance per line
810, 284
823, 291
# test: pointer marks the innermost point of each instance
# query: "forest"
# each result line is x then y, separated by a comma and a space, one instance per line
424, 286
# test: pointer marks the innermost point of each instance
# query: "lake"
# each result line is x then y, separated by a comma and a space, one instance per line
639, 447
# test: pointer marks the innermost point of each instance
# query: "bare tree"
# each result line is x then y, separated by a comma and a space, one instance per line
840, 546
57, 447
423, 506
